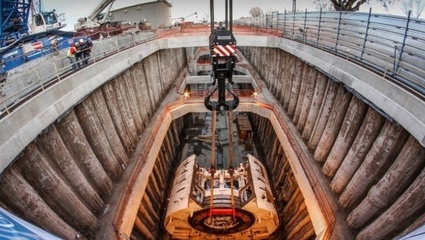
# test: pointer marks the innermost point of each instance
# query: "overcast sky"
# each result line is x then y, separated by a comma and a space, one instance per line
182, 8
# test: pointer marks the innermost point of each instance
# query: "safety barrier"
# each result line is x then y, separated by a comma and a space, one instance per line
387, 44
26, 84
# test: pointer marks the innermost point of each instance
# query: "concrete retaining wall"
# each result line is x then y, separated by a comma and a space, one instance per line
373, 164
91, 125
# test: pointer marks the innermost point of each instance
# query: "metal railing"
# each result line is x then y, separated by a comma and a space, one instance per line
390, 45
35, 76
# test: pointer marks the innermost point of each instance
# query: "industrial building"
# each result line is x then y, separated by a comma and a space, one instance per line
158, 13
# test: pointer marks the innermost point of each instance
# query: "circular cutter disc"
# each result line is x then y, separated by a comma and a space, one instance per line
221, 220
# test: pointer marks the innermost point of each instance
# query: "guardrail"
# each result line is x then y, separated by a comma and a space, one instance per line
39, 74
391, 45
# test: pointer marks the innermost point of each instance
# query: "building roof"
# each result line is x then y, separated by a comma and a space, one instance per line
141, 4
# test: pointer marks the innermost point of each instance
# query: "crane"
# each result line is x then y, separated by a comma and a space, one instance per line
181, 20
27, 32
97, 24
15, 17
41, 20
92, 20
13, 20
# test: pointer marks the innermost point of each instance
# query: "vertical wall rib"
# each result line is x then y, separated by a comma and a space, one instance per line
372, 163
97, 138
52, 146
55, 192
76, 142
350, 126
367, 134
290, 202
64, 180
105, 119
21, 197
154, 201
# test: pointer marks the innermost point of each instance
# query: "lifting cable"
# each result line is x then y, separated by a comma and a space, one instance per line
222, 52
231, 168
213, 168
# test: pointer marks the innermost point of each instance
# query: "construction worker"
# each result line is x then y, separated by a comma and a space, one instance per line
79, 54
71, 56
88, 44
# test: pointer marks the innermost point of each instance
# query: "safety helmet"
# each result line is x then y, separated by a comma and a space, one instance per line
77, 44
81, 40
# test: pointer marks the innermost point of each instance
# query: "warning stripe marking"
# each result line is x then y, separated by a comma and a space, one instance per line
224, 50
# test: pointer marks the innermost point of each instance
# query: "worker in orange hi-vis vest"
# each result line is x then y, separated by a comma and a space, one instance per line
71, 56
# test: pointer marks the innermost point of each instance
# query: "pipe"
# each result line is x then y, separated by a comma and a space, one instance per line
147, 216
400, 213
157, 175
130, 89
307, 99
145, 101
54, 190
154, 184
171, 143
141, 227
299, 227
153, 196
168, 148
231, 15
109, 94
163, 166
304, 81
301, 212
175, 133
146, 201
123, 107
287, 78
